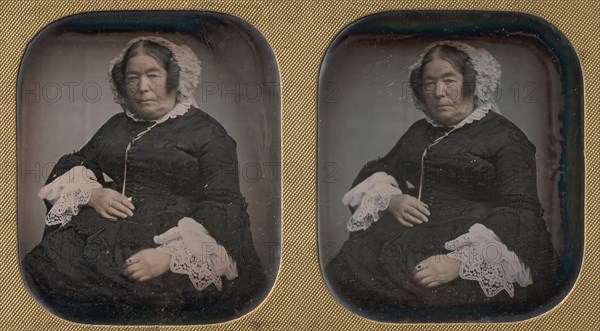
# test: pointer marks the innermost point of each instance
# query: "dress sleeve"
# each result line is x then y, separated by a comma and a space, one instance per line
221, 209
72, 178
87, 157
516, 218
215, 239
375, 183
389, 163
384, 164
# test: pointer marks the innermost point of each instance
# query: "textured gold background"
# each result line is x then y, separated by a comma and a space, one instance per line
299, 33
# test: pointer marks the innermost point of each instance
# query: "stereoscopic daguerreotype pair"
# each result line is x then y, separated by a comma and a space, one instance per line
449, 167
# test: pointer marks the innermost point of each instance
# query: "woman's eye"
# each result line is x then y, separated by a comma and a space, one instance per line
429, 86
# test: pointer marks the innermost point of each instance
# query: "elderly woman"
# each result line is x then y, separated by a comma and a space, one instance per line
450, 216
168, 240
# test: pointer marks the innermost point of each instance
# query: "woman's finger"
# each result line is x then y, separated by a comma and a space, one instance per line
427, 280
144, 278
120, 199
434, 284
107, 216
137, 275
133, 268
116, 213
423, 274
132, 263
412, 201
401, 220
412, 219
423, 270
126, 202
415, 213
418, 268
117, 205
131, 260
423, 208
117, 196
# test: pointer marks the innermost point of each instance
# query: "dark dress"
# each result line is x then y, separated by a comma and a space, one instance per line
185, 166
483, 172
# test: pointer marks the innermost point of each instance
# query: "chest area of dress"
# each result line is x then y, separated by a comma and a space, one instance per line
161, 155
455, 160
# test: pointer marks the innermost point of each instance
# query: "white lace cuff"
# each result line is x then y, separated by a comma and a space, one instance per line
196, 254
487, 260
67, 193
371, 196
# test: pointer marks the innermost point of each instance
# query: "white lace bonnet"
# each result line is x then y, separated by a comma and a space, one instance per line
189, 70
487, 72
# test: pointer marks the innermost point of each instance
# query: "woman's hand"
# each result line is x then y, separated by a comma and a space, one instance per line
146, 264
110, 204
436, 270
408, 210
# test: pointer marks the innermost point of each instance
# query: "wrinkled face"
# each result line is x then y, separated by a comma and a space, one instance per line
442, 93
146, 82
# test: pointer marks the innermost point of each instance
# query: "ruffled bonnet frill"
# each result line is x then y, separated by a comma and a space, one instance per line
487, 74
189, 77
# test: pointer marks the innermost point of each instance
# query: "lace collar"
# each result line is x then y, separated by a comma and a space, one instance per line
477, 114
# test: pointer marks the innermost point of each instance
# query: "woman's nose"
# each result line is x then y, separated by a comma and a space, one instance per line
440, 89
144, 84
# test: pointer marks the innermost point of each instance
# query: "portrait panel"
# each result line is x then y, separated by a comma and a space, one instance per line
450, 166
148, 167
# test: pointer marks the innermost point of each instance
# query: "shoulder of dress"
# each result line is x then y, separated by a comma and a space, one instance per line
504, 130
416, 130
205, 118
418, 126
419, 123
120, 116
113, 122
206, 125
